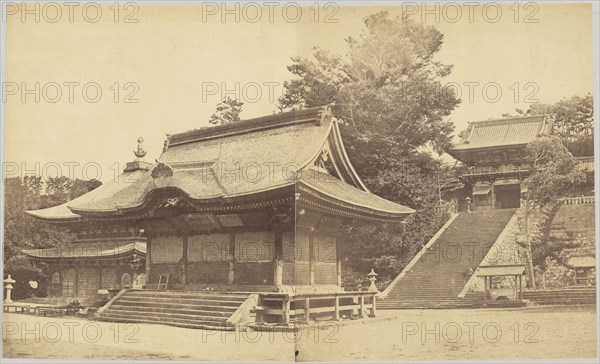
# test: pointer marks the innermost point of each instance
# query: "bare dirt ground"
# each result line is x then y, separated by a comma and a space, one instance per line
482, 334
492, 334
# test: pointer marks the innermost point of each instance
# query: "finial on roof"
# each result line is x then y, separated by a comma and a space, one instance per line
140, 152
139, 163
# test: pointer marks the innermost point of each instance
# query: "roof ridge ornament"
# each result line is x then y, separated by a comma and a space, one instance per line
162, 170
138, 163
140, 153
162, 174
325, 117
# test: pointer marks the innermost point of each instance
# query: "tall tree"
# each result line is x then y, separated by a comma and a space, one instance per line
228, 111
555, 172
21, 231
388, 84
389, 94
573, 120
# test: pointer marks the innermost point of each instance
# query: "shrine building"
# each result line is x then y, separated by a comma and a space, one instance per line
251, 206
495, 154
82, 268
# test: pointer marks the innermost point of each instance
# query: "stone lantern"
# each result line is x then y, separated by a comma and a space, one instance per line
468, 199
9, 286
372, 277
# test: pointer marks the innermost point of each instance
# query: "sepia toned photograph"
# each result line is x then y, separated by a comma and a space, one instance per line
299, 181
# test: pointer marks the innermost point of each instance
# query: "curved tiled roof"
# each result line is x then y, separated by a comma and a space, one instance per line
333, 189
504, 132
128, 187
225, 162
101, 249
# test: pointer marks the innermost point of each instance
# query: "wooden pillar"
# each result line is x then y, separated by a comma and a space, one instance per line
278, 259
306, 309
493, 197
148, 260
260, 311
286, 310
338, 252
184, 259
100, 277
373, 306
336, 308
311, 258
76, 283
354, 303
231, 259
278, 273
485, 284
521, 287
363, 311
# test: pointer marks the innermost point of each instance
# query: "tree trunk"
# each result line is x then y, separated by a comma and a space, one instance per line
530, 273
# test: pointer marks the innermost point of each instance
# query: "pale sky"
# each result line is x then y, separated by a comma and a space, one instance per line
175, 56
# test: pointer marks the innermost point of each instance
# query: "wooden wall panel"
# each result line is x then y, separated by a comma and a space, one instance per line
326, 273
208, 272
255, 247
68, 282
253, 273
87, 282
109, 278
325, 249
167, 249
208, 248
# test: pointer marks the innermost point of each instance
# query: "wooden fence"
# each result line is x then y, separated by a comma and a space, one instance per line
284, 308
578, 200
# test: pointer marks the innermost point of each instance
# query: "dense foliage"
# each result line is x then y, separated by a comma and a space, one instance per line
21, 231
573, 120
388, 93
555, 171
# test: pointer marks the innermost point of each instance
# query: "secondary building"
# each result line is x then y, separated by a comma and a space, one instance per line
80, 269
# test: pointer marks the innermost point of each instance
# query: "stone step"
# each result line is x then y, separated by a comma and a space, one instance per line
183, 309
187, 295
161, 310
115, 317
168, 316
576, 295
421, 300
418, 305
182, 302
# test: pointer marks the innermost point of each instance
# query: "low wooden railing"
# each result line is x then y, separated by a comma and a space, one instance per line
444, 208
578, 200
283, 308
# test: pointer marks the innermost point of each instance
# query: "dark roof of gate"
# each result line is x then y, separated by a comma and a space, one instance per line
503, 133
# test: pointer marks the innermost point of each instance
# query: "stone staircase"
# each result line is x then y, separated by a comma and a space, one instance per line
198, 310
570, 296
437, 278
